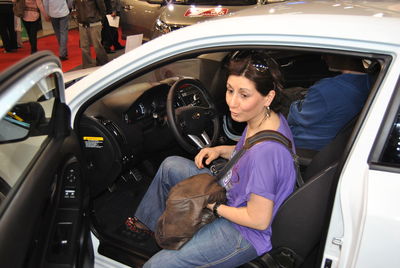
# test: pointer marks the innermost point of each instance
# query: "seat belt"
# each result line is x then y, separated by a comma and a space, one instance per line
264, 135
278, 137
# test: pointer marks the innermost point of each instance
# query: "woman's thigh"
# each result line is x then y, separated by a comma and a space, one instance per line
176, 168
172, 170
217, 244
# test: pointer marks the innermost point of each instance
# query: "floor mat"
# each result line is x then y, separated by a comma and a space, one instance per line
112, 208
147, 246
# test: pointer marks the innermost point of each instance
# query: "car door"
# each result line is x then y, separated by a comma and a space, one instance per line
364, 226
43, 217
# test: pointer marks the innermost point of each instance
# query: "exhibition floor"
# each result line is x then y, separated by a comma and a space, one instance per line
49, 42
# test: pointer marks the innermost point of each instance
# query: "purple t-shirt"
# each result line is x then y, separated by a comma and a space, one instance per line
267, 170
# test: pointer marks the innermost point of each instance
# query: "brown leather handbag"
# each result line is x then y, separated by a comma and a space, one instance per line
186, 211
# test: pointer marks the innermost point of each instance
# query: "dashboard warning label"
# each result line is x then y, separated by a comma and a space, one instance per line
93, 142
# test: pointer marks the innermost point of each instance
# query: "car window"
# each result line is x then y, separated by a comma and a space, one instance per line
23, 130
391, 153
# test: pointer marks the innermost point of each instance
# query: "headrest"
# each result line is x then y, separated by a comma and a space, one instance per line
344, 62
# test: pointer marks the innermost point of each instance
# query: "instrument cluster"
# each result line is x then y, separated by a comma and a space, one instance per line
152, 104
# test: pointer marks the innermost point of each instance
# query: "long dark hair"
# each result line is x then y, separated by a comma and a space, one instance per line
262, 69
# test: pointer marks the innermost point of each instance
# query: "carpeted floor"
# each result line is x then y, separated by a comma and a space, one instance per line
49, 43
111, 208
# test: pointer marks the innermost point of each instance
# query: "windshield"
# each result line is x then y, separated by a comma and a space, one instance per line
215, 2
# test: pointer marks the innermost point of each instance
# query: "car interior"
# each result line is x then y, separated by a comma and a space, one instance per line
129, 130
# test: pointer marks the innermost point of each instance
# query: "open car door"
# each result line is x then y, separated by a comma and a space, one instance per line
43, 218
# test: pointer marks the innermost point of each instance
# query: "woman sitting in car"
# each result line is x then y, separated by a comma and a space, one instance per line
256, 185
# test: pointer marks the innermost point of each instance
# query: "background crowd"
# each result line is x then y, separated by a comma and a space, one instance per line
90, 15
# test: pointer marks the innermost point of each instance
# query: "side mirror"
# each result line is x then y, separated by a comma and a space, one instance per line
21, 122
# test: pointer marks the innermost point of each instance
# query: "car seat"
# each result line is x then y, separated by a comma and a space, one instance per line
299, 223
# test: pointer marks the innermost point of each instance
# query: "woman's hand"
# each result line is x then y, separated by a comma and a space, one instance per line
211, 206
207, 155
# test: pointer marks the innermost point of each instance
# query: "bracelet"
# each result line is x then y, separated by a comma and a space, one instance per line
215, 209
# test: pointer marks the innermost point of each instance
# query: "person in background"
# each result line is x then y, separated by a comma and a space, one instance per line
7, 31
58, 12
90, 14
256, 185
109, 34
115, 11
18, 30
330, 103
32, 22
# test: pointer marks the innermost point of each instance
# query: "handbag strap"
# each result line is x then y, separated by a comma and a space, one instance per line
264, 135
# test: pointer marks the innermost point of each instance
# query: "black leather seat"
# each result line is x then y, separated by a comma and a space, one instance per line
299, 223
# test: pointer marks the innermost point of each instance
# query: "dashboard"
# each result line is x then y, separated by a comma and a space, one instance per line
152, 104
118, 130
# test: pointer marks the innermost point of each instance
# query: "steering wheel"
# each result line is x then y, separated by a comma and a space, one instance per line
193, 116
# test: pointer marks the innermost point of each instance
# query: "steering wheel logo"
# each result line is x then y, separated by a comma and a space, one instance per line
196, 116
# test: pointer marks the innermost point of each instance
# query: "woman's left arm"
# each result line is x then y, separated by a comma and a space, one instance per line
257, 214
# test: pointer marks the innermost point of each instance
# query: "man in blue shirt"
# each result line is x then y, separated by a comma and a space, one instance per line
329, 104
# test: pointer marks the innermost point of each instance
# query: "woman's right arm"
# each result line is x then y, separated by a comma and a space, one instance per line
40, 5
211, 153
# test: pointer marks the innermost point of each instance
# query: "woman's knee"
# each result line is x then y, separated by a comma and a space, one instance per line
172, 161
173, 165
164, 258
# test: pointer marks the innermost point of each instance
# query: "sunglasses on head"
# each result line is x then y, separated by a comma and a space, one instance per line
256, 59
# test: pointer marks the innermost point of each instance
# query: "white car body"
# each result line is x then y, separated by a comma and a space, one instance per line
364, 228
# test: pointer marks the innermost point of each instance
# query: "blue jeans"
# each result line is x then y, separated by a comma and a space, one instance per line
60, 26
218, 244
